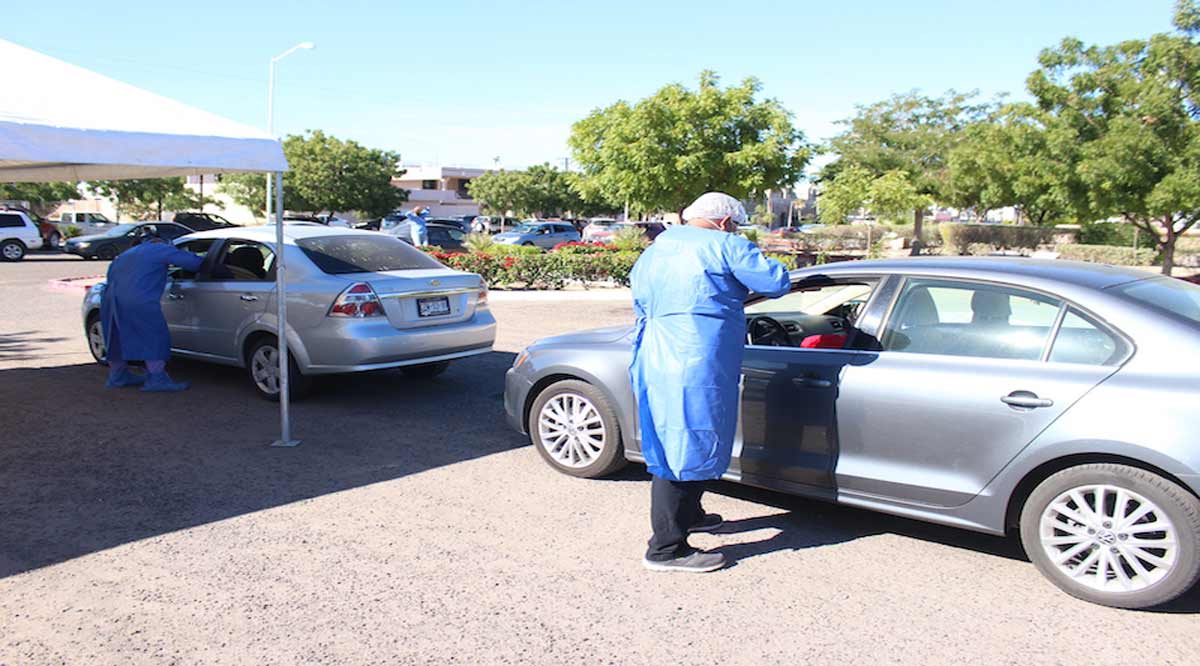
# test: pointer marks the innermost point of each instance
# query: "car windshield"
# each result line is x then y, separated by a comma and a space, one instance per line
527, 228
1166, 294
120, 230
364, 254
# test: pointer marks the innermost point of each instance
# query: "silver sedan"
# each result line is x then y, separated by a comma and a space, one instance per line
357, 301
1053, 400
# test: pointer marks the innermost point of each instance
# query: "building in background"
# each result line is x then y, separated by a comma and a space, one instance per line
441, 189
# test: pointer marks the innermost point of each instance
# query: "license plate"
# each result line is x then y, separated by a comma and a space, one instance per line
433, 307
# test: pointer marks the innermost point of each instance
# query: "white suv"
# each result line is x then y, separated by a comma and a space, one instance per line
18, 233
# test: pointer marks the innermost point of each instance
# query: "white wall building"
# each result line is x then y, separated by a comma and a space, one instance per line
441, 189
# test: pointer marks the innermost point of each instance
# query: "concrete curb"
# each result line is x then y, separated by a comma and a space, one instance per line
73, 284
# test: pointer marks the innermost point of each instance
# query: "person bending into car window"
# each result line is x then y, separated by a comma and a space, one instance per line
134, 326
688, 291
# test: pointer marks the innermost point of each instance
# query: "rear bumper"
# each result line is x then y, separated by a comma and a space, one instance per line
359, 345
516, 392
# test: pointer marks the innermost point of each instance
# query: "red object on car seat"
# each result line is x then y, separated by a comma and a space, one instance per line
824, 341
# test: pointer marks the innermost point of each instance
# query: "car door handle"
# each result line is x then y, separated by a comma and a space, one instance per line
175, 297
248, 297
811, 382
1026, 399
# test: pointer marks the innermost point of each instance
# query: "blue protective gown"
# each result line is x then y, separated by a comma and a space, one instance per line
131, 309
418, 229
688, 291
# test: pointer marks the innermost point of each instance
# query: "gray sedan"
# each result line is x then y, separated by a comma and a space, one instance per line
1053, 400
539, 234
357, 301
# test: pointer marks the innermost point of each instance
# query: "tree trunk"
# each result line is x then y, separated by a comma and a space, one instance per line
918, 218
1168, 246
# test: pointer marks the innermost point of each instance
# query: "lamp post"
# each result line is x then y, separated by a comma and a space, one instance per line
285, 435
271, 106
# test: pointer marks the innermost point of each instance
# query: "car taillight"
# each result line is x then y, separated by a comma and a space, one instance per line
483, 296
357, 301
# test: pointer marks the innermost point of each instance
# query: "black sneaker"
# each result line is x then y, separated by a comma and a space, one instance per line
697, 562
711, 522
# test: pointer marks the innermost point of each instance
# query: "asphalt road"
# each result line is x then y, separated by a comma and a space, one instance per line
412, 527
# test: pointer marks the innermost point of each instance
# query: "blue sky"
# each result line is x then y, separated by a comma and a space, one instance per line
459, 83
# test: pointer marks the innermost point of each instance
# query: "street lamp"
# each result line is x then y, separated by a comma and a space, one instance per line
271, 105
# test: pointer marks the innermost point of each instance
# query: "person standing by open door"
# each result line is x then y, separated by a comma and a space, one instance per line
134, 326
688, 291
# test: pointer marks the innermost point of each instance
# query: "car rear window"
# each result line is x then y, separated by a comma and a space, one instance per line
1166, 294
364, 254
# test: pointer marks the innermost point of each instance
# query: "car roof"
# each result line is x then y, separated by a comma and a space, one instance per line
291, 232
1009, 269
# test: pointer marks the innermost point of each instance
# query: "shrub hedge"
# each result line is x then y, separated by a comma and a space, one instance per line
1108, 254
966, 239
544, 270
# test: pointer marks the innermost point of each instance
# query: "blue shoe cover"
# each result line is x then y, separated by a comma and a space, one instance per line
162, 383
124, 379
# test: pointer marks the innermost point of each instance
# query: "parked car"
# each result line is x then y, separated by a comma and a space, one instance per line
19, 233
116, 240
358, 301
456, 222
600, 230
540, 234
445, 236
1052, 399
493, 224
88, 223
202, 221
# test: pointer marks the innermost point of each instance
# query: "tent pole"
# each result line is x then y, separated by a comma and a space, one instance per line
285, 426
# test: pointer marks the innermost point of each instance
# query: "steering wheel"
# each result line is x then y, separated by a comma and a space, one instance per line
763, 330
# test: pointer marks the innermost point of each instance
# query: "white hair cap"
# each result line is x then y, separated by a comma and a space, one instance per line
715, 206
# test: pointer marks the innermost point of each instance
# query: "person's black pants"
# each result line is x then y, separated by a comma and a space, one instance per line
674, 508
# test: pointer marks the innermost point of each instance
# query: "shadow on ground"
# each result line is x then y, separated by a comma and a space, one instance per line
83, 468
25, 345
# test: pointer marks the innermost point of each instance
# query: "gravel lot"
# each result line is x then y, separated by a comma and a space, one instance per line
413, 527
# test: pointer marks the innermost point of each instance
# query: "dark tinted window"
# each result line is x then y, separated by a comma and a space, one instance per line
364, 254
8, 220
172, 231
1170, 295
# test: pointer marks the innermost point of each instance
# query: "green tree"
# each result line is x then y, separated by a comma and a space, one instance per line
325, 174
909, 133
148, 198
890, 196
1133, 110
663, 151
539, 190
41, 197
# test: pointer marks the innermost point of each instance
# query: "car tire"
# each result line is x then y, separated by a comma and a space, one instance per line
95, 336
12, 250
425, 370
106, 253
264, 373
527, 244
54, 241
1141, 529
575, 430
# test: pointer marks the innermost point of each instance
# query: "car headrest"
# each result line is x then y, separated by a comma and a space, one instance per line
990, 307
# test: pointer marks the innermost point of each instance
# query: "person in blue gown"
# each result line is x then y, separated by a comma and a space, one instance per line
688, 291
418, 220
131, 311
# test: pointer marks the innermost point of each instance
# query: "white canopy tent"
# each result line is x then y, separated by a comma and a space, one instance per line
62, 122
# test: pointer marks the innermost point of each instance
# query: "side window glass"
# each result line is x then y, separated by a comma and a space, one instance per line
821, 316
456, 235
246, 261
9, 220
200, 247
966, 319
1081, 341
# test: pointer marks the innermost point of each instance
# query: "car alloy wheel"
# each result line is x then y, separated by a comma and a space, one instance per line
95, 333
571, 430
107, 253
1108, 538
574, 429
264, 368
1114, 534
12, 251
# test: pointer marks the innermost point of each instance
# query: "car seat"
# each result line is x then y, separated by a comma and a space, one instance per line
248, 259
